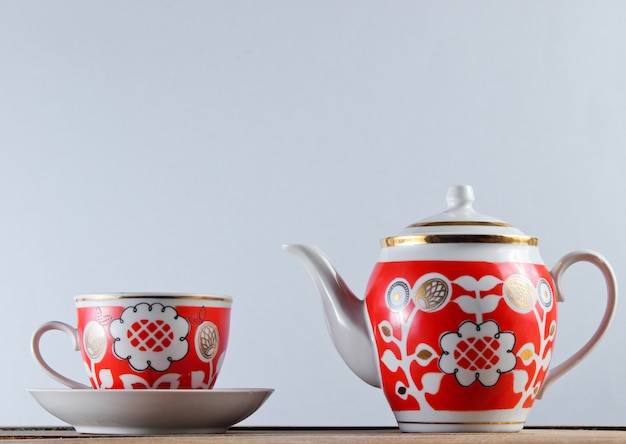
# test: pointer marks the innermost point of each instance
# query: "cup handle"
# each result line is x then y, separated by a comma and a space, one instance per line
73, 333
611, 293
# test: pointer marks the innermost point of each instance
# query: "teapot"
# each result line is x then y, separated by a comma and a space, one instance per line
458, 322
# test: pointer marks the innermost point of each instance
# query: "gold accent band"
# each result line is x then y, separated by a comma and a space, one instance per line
456, 223
119, 296
458, 239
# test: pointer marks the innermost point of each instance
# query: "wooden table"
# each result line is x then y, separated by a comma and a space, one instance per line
286, 435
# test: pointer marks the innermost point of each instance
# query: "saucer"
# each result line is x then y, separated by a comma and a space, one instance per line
144, 412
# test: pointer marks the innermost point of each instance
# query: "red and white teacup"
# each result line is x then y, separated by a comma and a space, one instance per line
146, 340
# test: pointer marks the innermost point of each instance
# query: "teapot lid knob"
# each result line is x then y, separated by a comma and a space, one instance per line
460, 196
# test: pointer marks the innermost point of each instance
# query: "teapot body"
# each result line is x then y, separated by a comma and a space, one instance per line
458, 321
464, 341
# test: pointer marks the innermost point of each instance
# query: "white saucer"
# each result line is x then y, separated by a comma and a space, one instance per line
143, 412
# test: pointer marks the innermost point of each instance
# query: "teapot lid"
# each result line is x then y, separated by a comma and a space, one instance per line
460, 223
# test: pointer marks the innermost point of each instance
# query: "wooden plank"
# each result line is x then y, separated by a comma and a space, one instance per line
323, 435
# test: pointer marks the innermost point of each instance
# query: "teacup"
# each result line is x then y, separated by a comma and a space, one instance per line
146, 340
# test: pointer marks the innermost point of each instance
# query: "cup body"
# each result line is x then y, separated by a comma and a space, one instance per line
148, 340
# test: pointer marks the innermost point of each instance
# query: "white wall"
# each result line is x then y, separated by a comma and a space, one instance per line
175, 145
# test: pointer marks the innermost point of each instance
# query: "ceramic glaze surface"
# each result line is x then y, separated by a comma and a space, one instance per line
151, 412
466, 337
155, 345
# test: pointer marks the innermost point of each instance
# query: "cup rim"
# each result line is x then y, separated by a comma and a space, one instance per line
151, 295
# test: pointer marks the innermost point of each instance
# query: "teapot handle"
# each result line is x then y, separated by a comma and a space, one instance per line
611, 292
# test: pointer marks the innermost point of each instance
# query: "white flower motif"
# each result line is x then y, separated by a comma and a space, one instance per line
94, 341
390, 360
519, 293
477, 352
106, 378
544, 292
433, 292
471, 284
397, 295
150, 335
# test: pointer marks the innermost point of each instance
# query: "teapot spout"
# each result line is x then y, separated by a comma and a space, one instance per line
346, 315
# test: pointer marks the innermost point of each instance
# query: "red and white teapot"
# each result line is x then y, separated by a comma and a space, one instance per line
458, 322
